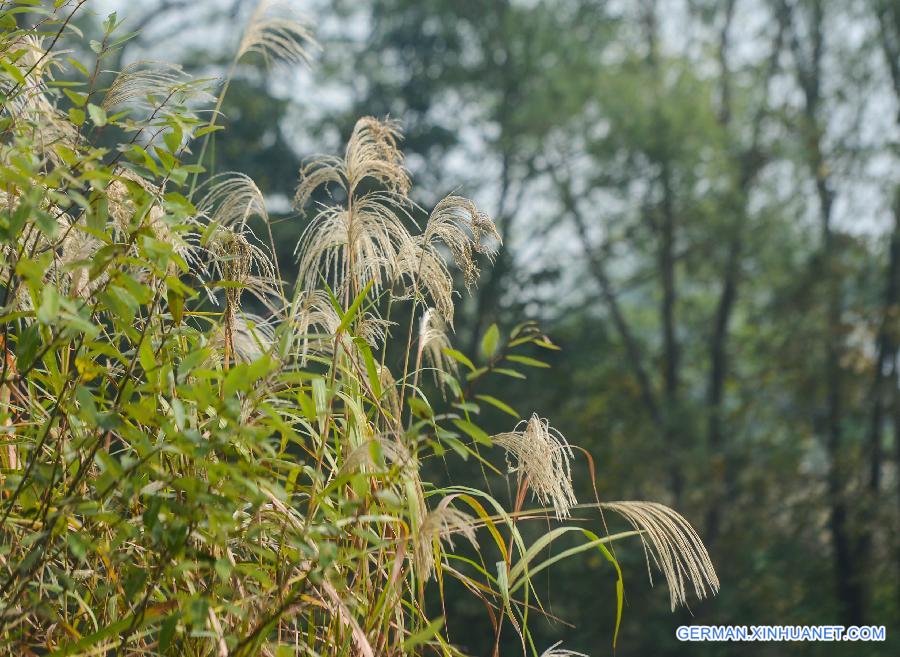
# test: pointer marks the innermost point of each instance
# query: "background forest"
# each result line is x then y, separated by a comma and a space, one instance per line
700, 204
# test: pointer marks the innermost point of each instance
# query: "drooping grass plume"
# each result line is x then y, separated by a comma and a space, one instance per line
364, 238
674, 547
275, 32
232, 199
250, 337
32, 102
353, 245
241, 265
314, 322
458, 224
149, 84
439, 526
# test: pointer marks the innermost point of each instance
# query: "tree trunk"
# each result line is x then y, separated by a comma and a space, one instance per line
671, 348
888, 14
717, 374
849, 583
666, 226
632, 348
748, 163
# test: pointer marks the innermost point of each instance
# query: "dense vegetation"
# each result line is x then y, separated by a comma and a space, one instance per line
700, 203
211, 449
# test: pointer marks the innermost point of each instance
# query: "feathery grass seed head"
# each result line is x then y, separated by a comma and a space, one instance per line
275, 32
441, 524
674, 546
543, 456
433, 341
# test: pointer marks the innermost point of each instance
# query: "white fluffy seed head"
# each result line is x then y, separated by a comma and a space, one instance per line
231, 199
359, 244
365, 236
542, 455
373, 152
251, 337
362, 238
433, 341
31, 104
275, 32
314, 323
150, 84
242, 265
464, 230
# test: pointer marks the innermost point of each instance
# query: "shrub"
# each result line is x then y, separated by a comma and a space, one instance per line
183, 476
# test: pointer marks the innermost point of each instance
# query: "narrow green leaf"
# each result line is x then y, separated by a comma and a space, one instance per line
424, 635
354, 307
493, 401
459, 357
510, 373
98, 115
371, 368
525, 360
476, 433
490, 342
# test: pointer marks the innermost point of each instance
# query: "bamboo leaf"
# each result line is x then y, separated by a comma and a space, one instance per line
490, 342
496, 403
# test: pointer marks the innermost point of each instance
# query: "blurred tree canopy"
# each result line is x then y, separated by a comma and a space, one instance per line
700, 201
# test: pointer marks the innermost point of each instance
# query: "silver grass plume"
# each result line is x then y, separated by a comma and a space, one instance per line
31, 103
245, 266
315, 321
231, 199
362, 242
426, 274
372, 152
275, 32
458, 225
76, 249
674, 546
147, 84
251, 337
76, 246
441, 524
392, 451
365, 238
122, 209
464, 229
542, 455
433, 341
